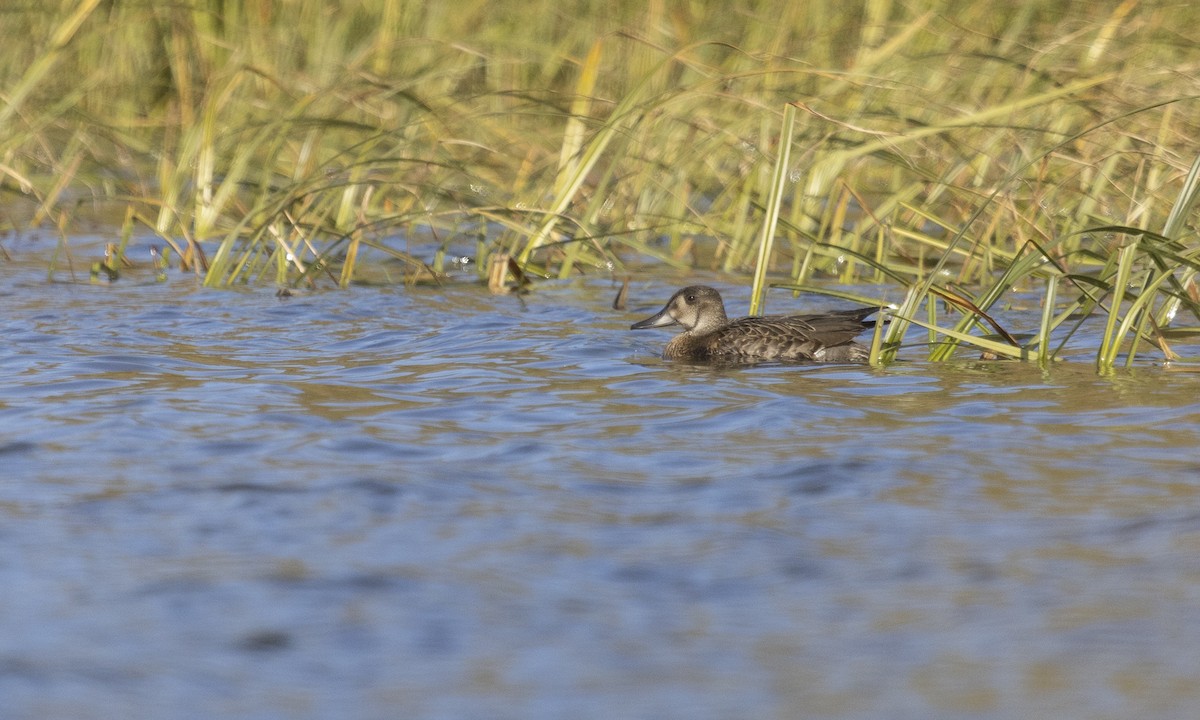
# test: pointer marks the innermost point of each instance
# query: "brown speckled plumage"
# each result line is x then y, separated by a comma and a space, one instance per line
709, 336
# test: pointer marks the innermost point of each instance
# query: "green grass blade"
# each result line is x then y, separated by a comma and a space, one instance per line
1047, 323
766, 240
1110, 341
1189, 195
1000, 348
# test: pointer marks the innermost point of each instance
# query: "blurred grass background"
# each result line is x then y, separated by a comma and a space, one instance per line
278, 139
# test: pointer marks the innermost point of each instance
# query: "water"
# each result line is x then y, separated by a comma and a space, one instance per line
437, 503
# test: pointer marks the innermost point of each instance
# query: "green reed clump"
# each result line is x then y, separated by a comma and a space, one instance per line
958, 149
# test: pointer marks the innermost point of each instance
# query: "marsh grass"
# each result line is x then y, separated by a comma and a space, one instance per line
948, 153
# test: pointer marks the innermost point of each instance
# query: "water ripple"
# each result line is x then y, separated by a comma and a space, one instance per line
439, 502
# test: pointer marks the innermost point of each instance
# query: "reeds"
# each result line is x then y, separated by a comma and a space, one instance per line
960, 151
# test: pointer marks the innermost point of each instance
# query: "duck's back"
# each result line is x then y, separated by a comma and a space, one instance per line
827, 337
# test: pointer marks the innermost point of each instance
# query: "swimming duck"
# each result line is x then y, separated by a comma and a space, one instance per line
708, 335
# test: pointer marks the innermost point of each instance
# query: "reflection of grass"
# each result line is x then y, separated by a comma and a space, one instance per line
961, 152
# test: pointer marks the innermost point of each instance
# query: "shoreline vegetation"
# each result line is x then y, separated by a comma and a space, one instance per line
958, 150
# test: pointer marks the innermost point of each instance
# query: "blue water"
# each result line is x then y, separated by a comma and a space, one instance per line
435, 502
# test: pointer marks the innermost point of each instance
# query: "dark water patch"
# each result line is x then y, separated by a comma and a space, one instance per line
825, 477
17, 447
372, 487
132, 364
248, 487
265, 641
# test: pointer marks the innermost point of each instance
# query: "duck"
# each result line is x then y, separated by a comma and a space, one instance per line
710, 336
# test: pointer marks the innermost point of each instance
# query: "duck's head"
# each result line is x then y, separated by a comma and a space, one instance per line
696, 308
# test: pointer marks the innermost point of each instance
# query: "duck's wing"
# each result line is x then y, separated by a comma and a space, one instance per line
792, 337
835, 328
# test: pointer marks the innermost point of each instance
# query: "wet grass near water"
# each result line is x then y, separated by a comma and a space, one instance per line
954, 152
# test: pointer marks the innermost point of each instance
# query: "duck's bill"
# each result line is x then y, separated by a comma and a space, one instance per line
662, 319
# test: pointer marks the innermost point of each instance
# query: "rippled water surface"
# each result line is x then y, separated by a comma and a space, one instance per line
437, 503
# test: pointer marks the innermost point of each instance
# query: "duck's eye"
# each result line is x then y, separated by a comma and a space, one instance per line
691, 299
